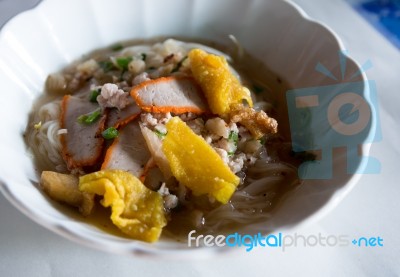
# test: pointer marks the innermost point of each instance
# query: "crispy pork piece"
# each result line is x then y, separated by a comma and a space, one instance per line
258, 123
65, 188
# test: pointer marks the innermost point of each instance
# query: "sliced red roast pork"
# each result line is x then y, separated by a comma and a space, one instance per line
129, 151
117, 118
170, 94
82, 144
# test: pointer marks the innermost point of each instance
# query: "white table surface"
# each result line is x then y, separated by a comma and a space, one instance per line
371, 209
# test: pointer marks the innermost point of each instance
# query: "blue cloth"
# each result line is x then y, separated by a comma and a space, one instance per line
384, 15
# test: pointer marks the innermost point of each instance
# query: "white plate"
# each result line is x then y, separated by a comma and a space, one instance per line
56, 32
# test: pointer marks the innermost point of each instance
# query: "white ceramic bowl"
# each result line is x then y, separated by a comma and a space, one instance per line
48, 37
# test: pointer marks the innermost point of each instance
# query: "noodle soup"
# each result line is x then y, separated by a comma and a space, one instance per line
173, 135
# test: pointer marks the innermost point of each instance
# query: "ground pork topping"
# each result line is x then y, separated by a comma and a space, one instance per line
88, 67
218, 126
112, 97
170, 200
142, 77
155, 120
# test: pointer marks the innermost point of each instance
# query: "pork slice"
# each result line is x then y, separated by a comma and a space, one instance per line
170, 94
119, 118
129, 151
82, 145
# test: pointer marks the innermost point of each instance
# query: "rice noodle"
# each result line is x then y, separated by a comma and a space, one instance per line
45, 141
255, 199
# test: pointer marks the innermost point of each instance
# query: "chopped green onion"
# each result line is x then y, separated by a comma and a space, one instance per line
110, 133
144, 56
262, 140
123, 62
117, 47
93, 95
121, 77
304, 156
231, 153
178, 65
257, 89
38, 125
245, 103
106, 65
234, 137
90, 117
161, 135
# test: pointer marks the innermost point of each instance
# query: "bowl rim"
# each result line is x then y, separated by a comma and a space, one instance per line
139, 249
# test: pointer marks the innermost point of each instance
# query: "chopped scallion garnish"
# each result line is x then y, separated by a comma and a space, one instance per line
257, 89
304, 156
90, 117
178, 65
144, 56
161, 135
93, 95
234, 137
106, 65
110, 133
117, 47
123, 62
38, 125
